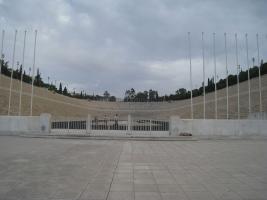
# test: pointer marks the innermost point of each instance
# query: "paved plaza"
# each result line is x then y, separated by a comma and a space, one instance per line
69, 169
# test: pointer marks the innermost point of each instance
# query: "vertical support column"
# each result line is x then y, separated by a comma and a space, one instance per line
129, 124
68, 125
88, 124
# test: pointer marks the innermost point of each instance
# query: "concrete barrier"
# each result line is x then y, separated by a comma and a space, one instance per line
25, 124
219, 127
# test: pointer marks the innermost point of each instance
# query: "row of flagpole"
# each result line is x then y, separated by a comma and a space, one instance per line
226, 68
190, 62
22, 65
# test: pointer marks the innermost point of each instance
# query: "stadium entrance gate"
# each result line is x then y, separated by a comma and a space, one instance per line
104, 127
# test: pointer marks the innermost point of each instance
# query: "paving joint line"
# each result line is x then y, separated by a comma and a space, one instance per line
114, 173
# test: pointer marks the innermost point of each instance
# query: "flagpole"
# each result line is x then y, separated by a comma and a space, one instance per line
203, 59
11, 78
226, 67
258, 51
190, 64
215, 77
249, 95
2, 52
33, 69
22, 65
237, 75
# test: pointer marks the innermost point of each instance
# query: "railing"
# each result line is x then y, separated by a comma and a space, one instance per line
111, 127
149, 125
68, 125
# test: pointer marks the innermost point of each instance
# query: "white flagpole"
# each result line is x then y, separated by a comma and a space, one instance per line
22, 66
237, 75
226, 67
2, 51
249, 96
11, 78
33, 69
190, 64
215, 76
258, 49
204, 95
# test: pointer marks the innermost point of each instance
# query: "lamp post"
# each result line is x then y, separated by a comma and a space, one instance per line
33, 68
11, 78
203, 60
226, 70
215, 76
249, 96
2, 52
237, 76
22, 65
238, 91
258, 52
190, 65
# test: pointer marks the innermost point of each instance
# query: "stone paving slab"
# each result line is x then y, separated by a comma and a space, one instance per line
71, 169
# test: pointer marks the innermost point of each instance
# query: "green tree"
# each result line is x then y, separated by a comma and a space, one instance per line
112, 98
60, 88
65, 91
38, 79
106, 95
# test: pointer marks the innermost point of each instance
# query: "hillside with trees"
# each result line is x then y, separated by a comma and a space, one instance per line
131, 95
152, 95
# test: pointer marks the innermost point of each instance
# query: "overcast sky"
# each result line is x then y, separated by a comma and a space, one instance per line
113, 45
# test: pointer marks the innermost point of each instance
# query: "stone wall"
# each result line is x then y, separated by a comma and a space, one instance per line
220, 127
25, 124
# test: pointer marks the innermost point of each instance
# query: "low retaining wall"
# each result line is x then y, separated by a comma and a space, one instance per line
198, 127
219, 127
25, 124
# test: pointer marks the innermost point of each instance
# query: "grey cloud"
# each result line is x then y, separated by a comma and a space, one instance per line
113, 45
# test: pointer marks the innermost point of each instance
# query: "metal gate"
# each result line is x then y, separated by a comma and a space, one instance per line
110, 127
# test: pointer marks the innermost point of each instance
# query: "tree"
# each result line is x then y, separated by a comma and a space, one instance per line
112, 98
127, 95
20, 70
141, 96
130, 95
106, 95
38, 80
60, 88
65, 91
181, 93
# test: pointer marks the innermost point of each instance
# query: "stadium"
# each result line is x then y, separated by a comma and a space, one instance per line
133, 100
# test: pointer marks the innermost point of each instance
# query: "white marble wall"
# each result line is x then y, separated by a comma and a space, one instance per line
220, 127
25, 124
